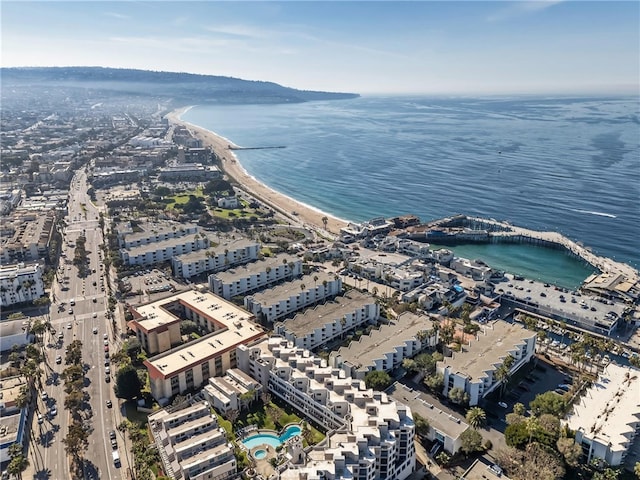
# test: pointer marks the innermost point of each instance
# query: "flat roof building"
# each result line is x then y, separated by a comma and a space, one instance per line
287, 298
20, 283
319, 325
225, 254
473, 368
163, 250
386, 347
606, 418
190, 365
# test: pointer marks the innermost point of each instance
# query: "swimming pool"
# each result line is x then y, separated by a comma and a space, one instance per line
260, 454
271, 439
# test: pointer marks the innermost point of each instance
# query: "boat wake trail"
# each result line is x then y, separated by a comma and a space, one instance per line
590, 212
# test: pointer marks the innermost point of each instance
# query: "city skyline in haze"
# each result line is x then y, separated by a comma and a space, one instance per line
377, 47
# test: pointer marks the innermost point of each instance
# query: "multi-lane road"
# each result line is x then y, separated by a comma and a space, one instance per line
79, 313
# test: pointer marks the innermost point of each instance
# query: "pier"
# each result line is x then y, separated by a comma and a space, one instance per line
235, 147
501, 231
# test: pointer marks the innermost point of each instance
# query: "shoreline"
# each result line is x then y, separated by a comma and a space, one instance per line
305, 215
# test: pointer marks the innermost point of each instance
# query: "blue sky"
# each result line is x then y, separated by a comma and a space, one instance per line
364, 47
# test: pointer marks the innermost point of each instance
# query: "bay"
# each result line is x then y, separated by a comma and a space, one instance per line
547, 163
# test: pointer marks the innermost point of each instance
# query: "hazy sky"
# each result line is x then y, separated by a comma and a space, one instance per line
364, 47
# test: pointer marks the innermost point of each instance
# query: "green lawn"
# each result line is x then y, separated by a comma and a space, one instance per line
182, 198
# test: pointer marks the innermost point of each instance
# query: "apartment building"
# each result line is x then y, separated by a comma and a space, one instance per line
192, 445
606, 418
370, 435
324, 323
191, 172
163, 251
471, 268
20, 283
385, 348
159, 233
222, 256
473, 368
190, 365
255, 276
286, 299
26, 237
445, 428
234, 391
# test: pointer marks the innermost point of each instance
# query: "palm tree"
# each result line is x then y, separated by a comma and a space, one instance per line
325, 220
476, 417
502, 376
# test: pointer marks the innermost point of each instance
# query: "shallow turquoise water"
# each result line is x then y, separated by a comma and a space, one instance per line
271, 439
538, 263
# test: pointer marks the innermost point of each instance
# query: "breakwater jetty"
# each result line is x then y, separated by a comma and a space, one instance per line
462, 228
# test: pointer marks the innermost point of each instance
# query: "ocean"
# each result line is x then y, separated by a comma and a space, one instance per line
562, 164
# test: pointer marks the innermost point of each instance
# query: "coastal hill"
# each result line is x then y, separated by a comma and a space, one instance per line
181, 87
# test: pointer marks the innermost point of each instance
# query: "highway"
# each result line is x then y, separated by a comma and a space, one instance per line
86, 321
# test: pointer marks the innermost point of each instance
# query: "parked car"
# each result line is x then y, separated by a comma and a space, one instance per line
503, 405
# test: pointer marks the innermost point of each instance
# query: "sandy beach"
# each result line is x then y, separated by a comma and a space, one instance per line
283, 204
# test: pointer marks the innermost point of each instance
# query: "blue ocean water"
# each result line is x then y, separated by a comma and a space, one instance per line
562, 164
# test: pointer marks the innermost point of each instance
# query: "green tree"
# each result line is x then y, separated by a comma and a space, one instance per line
458, 396
422, 425
519, 409
516, 435
548, 402
606, 474
443, 458
435, 382
471, 441
378, 380
188, 326
128, 383
476, 417
425, 363
636, 469
18, 462
570, 450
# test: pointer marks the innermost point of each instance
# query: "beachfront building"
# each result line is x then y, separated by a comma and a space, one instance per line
473, 368
20, 283
162, 251
445, 428
159, 232
435, 293
375, 226
370, 435
222, 256
473, 269
612, 286
189, 172
385, 348
285, 299
26, 237
324, 323
192, 445
235, 391
606, 419
255, 276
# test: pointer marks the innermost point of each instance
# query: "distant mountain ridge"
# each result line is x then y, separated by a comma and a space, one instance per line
186, 87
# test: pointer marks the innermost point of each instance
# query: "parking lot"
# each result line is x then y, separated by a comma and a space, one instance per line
533, 379
146, 283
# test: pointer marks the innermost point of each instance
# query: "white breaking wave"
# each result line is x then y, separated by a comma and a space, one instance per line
590, 212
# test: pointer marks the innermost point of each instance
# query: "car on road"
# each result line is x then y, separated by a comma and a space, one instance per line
105, 336
44, 396
106, 348
106, 343
40, 419
107, 370
60, 336
59, 359
53, 411
107, 378
71, 311
95, 315
94, 300
109, 404
106, 362
503, 405
112, 434
95, 329
68, 326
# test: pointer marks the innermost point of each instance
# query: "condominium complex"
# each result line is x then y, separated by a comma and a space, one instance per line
369, 435
20, 283
191, 444
163, 251
190, 172
255, 276
385, 348
191, 364
234, 391
278, 302
329, 321
473, 368
13, 420
445, 428
225, 254
160, 232
606, 418
26, 237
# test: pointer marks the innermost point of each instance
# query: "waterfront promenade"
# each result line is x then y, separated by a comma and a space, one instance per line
604, 264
